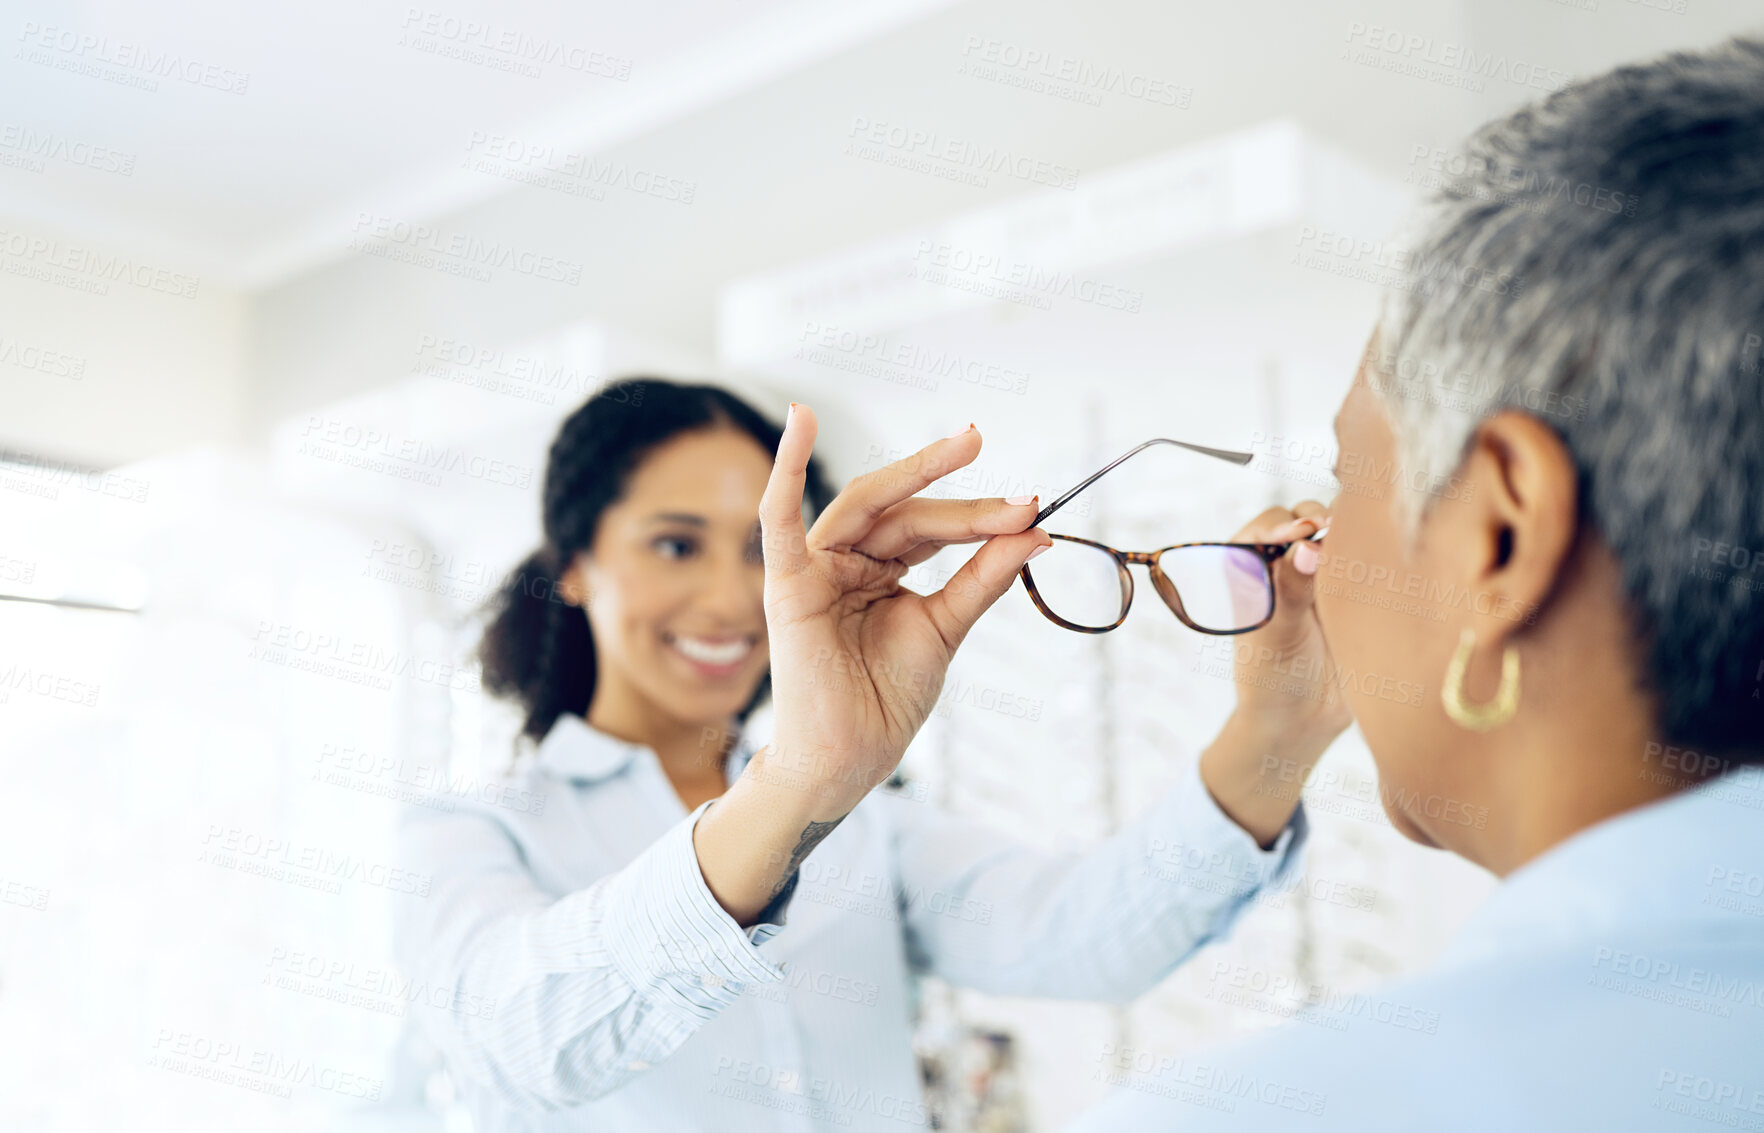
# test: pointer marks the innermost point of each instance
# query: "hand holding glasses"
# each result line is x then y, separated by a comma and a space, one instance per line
1215, 588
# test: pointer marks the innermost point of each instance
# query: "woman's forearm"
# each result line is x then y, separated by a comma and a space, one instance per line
751, 840
1255, 775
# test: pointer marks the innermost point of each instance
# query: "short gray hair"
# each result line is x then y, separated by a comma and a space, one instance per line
1599, 258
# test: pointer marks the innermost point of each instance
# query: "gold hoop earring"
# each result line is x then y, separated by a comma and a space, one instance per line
1480, 717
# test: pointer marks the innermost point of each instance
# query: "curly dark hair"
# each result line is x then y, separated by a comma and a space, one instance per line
537, 649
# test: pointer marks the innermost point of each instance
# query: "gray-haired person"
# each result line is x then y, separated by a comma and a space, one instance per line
1598, 736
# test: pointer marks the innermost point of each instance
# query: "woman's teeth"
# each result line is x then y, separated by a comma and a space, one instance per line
713, 653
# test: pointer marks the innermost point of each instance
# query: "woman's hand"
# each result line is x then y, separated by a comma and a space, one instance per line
857, 661
1289, 706
1283, 670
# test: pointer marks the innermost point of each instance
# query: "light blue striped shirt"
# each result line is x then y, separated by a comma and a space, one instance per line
1614, 983
596, 983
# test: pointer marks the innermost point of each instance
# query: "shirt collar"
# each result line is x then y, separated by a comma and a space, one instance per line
575, 749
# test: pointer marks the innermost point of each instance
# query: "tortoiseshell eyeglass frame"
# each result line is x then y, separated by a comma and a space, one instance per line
1268, 552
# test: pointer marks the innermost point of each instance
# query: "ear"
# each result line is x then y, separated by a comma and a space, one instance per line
1522, 521
572, 585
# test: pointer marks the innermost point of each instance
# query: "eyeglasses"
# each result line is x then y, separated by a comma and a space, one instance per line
1216, 588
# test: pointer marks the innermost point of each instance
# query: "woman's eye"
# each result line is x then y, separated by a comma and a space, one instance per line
675, 546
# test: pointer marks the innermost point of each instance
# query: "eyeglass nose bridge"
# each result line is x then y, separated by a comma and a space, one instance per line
1162, 584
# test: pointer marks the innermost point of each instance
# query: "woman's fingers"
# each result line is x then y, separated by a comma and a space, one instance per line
780, 512
911, 524
1304, 556
1293, 571
1280, 525
855, 511
972, 590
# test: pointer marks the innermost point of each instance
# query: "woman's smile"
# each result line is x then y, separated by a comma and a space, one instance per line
717, 656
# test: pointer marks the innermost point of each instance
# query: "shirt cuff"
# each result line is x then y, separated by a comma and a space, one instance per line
1213, 853
673, 941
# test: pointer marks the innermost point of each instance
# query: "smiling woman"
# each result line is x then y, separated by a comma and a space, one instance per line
671, 586
650, 532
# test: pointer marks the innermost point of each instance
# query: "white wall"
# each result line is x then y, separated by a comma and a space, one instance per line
109, 355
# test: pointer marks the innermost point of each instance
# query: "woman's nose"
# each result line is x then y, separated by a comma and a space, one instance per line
733, 590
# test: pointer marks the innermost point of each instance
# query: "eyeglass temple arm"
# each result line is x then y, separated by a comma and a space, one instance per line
1220, 453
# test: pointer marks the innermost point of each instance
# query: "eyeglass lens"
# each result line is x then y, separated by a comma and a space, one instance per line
1222, 588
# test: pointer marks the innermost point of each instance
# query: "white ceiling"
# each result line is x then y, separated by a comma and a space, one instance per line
341, 114
754, 102
342, 109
